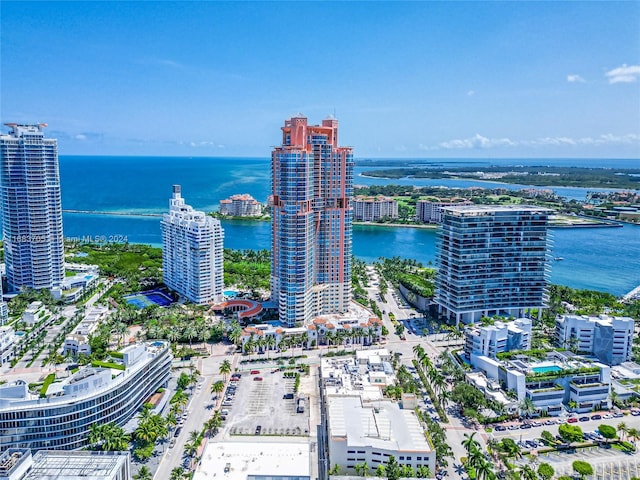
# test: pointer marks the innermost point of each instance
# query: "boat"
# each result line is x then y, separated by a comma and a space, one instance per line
557, 259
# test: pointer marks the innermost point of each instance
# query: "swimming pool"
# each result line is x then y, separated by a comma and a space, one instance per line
230, 293
547, 369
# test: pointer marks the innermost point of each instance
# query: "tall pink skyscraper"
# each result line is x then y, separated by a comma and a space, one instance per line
312, 221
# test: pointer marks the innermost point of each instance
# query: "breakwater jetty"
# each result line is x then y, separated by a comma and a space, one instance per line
633, 294
125, 214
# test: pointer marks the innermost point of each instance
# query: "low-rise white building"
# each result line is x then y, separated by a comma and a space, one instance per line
247, 460
363, 426
7, 340
562, 381
19, 464
500, 337
610, 339
35, 312
78, 340
325, 330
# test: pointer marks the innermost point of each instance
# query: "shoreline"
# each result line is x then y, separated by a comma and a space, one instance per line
398, 225
472, 179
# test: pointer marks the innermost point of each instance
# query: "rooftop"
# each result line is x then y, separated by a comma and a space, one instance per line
380, 424
76, 465
482, 209
255, 460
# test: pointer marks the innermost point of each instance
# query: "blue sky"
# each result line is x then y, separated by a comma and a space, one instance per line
414, 79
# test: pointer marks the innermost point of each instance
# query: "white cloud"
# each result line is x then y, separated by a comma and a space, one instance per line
471, 93
624, 74
80, 136
575, 78
481, 142
477, 141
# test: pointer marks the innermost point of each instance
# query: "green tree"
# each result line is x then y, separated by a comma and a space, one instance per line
546, 471
392, 469
143, 474
572, 433
177, 473
607, 431
582, 468
183, 381
225, 368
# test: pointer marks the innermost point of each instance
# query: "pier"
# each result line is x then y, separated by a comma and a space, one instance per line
125, 214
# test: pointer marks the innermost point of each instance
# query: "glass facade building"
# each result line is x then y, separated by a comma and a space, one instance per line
31, 208
492, 260
312, 183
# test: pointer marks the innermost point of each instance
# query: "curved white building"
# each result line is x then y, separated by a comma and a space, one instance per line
61, 419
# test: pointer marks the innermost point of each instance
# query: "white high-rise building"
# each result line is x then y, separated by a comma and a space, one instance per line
192, 252
31, 208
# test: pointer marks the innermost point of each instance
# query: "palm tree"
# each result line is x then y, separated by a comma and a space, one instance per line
271, 343
623, 429
529, 473
205, 334
217, 387
194, 436
177, 473
225, 369
527, 407
235, 335
484, 471
190, 332
115, 438
470, 444
143, 474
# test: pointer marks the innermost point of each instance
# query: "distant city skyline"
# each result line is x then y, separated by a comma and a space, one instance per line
406, 79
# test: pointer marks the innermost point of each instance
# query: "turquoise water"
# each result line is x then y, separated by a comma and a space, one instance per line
596, 258
551, 368
230, 293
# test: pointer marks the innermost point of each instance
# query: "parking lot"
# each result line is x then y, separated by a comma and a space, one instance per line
259, 406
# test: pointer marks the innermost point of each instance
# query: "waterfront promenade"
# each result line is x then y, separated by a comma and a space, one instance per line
632, 295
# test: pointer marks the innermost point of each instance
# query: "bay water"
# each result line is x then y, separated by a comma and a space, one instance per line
606, 259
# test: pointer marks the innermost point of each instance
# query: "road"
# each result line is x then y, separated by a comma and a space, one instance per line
200, 407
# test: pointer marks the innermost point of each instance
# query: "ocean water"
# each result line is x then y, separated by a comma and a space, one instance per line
604, 259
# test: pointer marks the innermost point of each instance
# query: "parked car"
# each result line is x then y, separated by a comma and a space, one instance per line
255, 372
258, 429
525, 426
607, 416
572, 420
257, 379
618, 414
500, 428
550, 422
635, 413
513, 427
177, 432
596, 417
584, 419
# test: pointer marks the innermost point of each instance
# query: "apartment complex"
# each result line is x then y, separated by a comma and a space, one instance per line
431, 212
192, 252
312, 221
561, 381
500, 337
31, 208
60, 416
372, 209
240, 206
608, 338
78, 341
492, 260
363, 426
